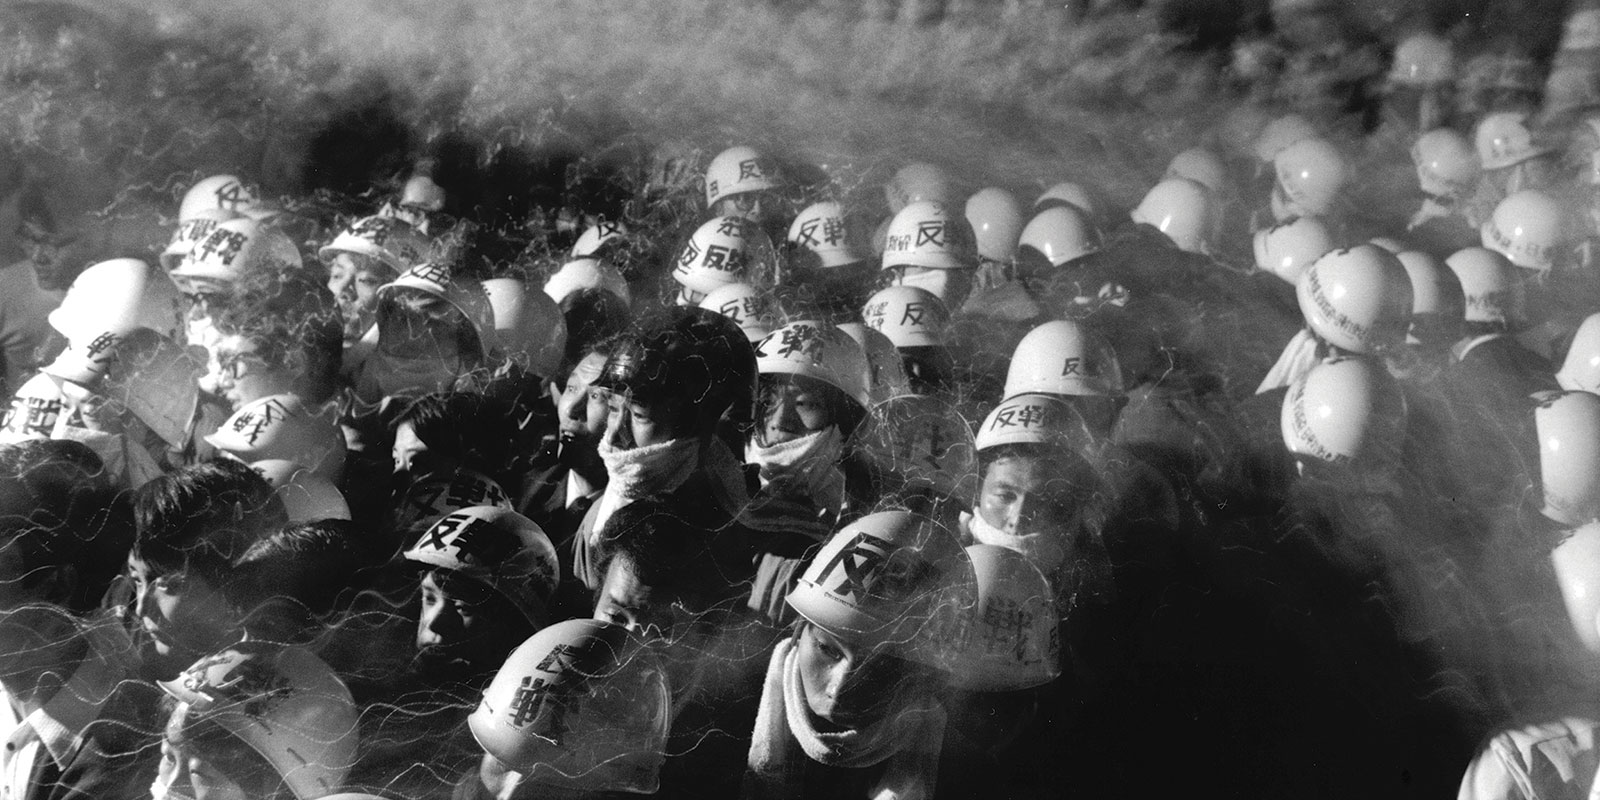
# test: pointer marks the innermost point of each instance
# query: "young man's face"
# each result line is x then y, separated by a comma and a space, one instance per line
179, 617
847, 683
791, 409
581, 409
354, 280
465, 629
183, 774
1026, 495
638, 423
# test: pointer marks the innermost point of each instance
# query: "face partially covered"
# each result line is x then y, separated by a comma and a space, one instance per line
792, 407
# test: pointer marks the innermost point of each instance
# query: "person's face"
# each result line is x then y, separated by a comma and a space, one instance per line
846, 683
581, 409
1023, 496
636, 423
792, 409
464, 628
644, 609
190, 775
205, 297
750, 205
354, 280
241, 375
181, 617
410, 453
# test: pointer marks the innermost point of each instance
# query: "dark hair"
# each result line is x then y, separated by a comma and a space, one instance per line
203, 517
57, 503
293, 323
225, 751
310, 564
592, 315
667, 550
475, 431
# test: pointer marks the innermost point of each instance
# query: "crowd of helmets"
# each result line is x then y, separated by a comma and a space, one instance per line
989, 495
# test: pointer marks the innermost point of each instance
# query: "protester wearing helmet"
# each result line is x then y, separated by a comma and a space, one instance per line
1067, 359
1417, 91
210, 272
434, 330
257, 720
914, 322
1356, 300
487, 575
580, 708
930, 246
826, 250
1311, 173
370, 253
1448, 171
919, 182
812, 397
282, 426
742, 181
728, 249
849, 707
1182, 210
1513, 158
997, 221
277, 337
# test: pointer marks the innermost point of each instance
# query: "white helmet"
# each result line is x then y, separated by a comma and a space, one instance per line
1423, 60
1577, 567
1581, 369
1181, 209
1528, 227
594, 238
909, 316
1447, 165
283, 702
238, 246
1017, 643
738, 170
527, 324
1201, 166
34, 412
391, 241
1437, 300
1311, 173
722, 251
818, 351
587, 273
894, 579
823, 230
886, 372
440, 493
1060, 234
1489, 284
115, 298
918, 182
1581, 31
1064, 357
1031, 419
1280, 133
1357, 298
1068, 193
750, 309
1568, 426
1503, 140
466, 295
582, 704
499, 548
191, 232
996, 219
1344, 410
1288, 248
307, 496
280, 426
219, 192
930, 234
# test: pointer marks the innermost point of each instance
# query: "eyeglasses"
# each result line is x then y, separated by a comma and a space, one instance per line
206, 301
236, 366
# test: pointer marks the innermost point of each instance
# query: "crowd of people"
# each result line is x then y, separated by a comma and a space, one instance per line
767, 487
